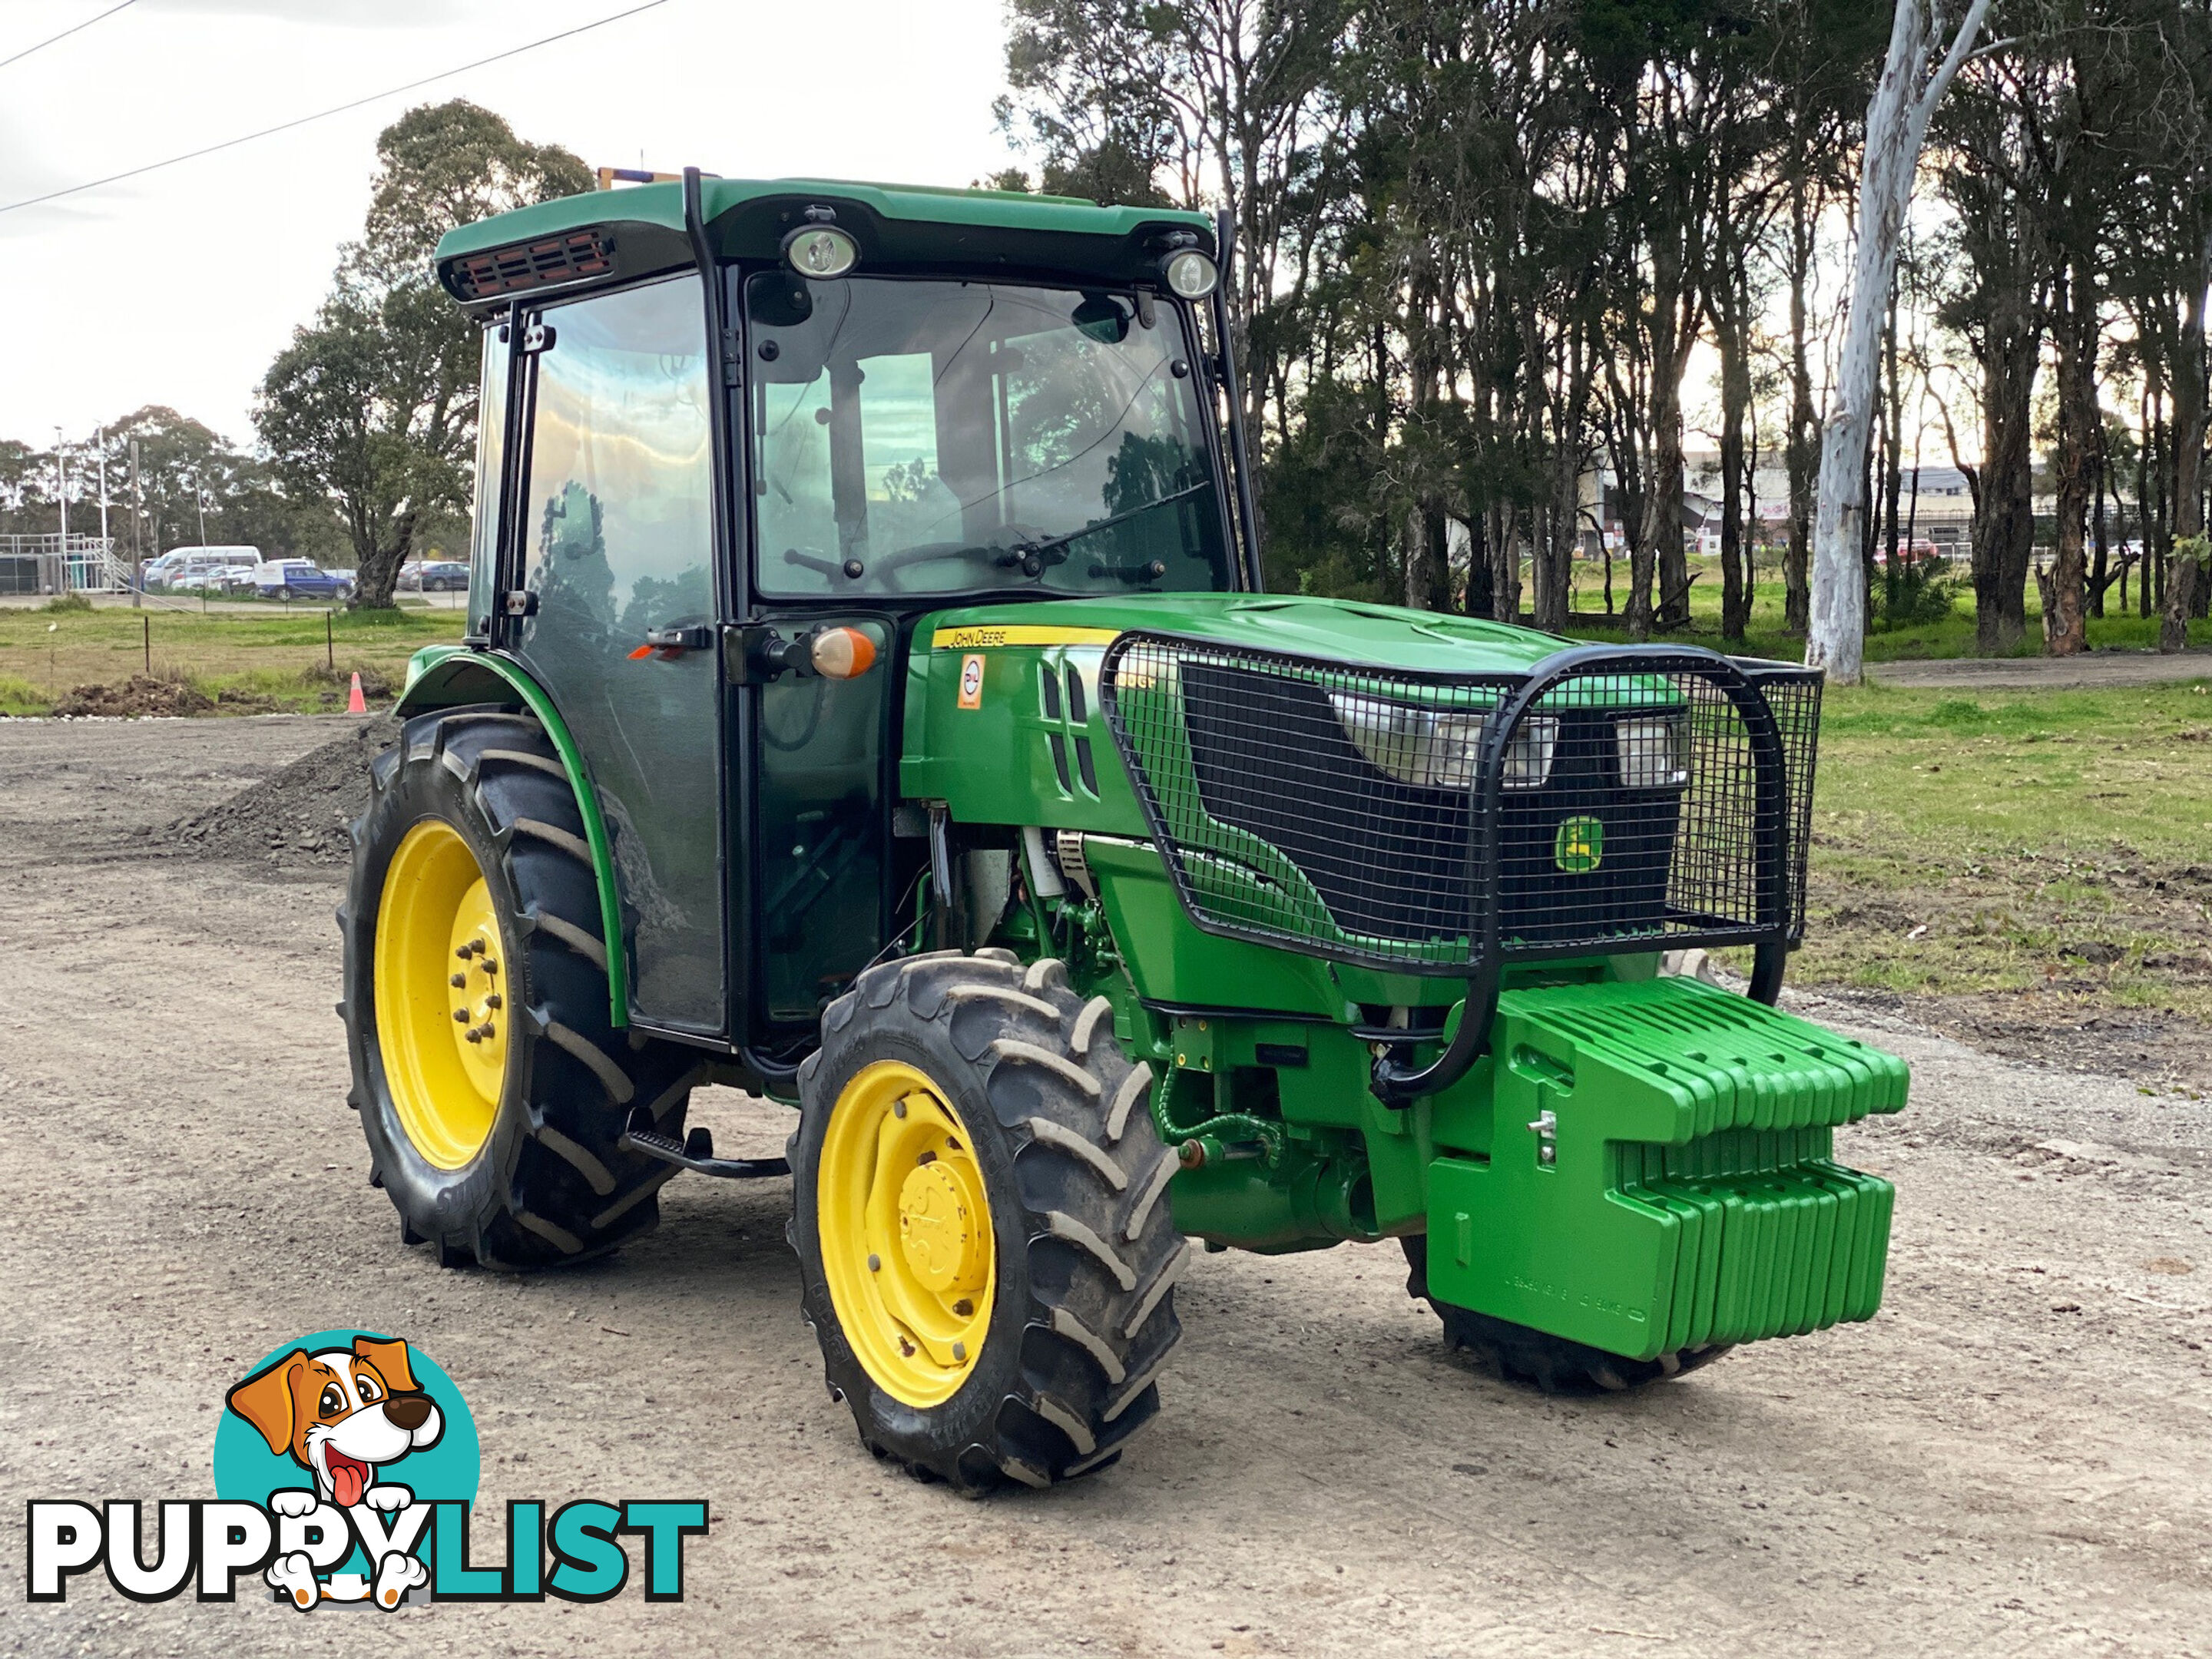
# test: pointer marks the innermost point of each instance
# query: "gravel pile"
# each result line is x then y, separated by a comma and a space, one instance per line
297, 815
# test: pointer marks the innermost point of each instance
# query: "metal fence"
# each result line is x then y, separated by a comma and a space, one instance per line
47, 564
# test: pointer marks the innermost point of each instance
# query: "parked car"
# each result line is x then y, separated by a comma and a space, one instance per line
434, 576
189, 569
301, 579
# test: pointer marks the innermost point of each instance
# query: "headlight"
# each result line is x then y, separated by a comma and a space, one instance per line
1439, 749
821, 251
1528, 757
1190, 274
1653, 753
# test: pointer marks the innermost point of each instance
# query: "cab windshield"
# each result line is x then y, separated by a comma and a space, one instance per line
925, 437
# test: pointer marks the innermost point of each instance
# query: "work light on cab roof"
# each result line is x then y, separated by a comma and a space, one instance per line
872, 698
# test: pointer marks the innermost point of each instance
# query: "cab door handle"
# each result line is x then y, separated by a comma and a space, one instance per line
674, 641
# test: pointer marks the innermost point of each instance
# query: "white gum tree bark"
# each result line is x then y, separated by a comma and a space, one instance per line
1920, 65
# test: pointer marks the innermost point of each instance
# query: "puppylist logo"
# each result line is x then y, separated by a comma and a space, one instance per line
345, 1467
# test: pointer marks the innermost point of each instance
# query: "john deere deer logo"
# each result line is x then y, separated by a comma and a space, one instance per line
1579, 847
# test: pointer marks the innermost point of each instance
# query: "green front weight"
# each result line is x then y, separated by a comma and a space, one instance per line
1655, 1172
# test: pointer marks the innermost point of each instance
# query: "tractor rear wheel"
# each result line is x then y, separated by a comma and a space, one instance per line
1518, 1354
985, 1248
491, 1083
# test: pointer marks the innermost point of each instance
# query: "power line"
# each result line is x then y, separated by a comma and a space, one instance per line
64, 36
320, 115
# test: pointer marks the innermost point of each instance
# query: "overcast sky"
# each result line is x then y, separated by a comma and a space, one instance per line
178, 288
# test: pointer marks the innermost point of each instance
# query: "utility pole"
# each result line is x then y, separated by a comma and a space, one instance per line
61, 495
138, 510
199, 501
106, 547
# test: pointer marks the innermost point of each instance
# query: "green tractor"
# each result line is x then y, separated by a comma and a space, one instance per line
870, 699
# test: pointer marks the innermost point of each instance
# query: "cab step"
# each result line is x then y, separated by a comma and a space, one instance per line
695, 1153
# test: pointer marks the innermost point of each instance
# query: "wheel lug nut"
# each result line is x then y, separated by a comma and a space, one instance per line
476, 946
489, 965
463, 952
964, 1307
487, 1031
875, 1264
460, 1015
458, 981
898, 1109
960, 1350
493, 1001
473, 1036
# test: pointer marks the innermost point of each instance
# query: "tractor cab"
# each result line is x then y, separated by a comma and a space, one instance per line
722, 421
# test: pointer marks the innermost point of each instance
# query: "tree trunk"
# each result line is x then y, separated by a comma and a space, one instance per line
1892, 463
2100, 571
1897, 121
1479, 601
1735, 397
2076, 316
2004, 516
2189, 423
1554, 572
1731, 313
1505, 567
1800, 448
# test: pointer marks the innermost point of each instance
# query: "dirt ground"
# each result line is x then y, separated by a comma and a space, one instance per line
2013, 1457
2047, 673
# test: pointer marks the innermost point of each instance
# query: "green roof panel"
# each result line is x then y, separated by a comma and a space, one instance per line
914, 226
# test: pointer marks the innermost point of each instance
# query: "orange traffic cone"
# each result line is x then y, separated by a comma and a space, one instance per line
355, 703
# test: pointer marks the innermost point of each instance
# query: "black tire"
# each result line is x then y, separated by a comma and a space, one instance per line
1075, 1176
550, 1184
1516, 1354
285, 594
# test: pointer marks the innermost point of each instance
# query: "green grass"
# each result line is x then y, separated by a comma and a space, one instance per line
1952, 637
2036, 840
247, 663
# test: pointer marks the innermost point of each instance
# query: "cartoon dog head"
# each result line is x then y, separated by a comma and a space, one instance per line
341, 1413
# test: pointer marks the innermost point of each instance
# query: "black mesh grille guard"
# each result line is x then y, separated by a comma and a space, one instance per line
1607, 800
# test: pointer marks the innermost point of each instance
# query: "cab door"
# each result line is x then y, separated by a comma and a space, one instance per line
614, 614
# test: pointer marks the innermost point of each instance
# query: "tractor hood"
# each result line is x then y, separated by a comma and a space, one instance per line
1383, 635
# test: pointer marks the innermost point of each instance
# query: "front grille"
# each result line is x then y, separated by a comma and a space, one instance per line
1608, 799
577, 255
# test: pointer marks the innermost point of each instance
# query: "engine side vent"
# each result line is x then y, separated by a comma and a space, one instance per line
565, 258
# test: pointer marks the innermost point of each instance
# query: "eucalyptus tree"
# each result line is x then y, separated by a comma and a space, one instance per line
371, 408
1925, 51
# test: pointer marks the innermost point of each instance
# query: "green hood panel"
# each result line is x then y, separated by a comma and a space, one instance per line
1003, 753
1342, 630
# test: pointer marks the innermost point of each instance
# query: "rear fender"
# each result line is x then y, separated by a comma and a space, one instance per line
447, 677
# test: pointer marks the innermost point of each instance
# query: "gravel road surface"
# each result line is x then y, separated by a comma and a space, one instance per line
2093, 668
2014, 1457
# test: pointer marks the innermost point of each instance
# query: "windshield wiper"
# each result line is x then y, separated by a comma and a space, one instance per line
1051, 544
1030, 557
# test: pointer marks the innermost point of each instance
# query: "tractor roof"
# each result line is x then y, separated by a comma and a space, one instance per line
913, 228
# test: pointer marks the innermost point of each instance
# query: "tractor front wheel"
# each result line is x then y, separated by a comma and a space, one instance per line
491, 1083
981, 1220
1522, 1354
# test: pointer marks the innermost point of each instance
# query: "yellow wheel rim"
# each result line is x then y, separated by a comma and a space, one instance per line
905, 1227
441, 1001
